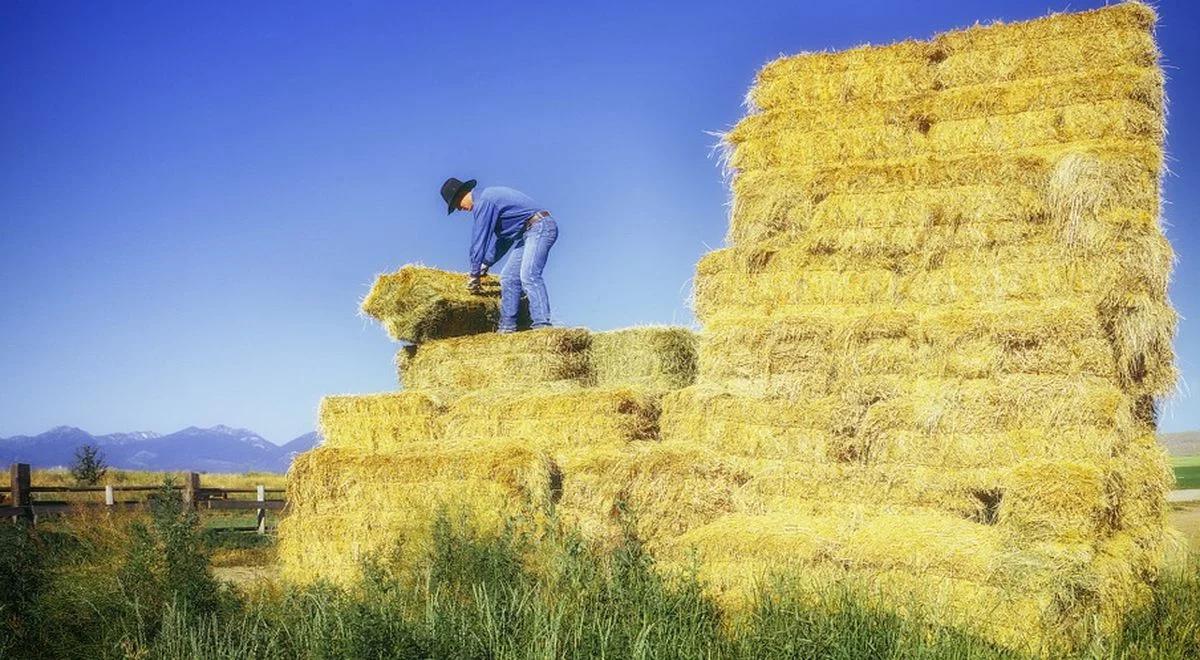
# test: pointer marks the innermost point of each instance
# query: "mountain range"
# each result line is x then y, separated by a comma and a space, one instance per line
216, 449
1186, 443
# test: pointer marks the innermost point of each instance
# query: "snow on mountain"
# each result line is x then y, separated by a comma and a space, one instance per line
217, 449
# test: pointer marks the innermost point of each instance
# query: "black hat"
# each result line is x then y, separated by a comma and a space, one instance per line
453, 191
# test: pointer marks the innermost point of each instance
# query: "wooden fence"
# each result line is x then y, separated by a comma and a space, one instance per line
20, 503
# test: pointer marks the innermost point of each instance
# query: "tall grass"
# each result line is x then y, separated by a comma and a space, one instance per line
141, 588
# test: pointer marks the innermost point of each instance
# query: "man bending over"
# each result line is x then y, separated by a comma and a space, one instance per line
507, 220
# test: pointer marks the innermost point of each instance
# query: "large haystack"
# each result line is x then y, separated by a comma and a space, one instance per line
928, 372
941, 325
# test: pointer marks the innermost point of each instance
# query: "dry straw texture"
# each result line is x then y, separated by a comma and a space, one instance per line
553, 420
416, 304
941, 326
498, 361
348, 505
379, 422
656, 358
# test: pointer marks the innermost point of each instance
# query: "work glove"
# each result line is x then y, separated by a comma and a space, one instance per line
473, 285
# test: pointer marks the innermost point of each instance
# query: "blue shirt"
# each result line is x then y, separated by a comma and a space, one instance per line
500, 215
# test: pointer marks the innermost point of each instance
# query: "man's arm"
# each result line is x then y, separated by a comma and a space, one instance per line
483, 237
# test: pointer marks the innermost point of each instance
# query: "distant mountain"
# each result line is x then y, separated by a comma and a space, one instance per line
216, 449
1186, 443
290, 450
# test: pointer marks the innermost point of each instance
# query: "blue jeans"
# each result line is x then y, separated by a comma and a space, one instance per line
523, 272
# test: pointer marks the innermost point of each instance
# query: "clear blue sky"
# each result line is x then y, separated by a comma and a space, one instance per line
194, 195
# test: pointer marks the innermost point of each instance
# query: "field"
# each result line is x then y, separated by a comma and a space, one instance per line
1187, 472
115, 477
163, 585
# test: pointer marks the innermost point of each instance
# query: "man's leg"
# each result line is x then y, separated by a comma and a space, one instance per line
538, 241
510, 289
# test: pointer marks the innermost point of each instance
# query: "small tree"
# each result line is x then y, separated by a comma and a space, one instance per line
89, 466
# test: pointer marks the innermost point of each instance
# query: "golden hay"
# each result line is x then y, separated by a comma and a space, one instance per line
506, 361
1034, 500
847, 426
911, 68
416, 304
1134, 83
1081, 123
990, 281
379, 422
765, 201
664, 489
1031, 620
861, 537
553, 419
805, 351
329, 479
345, 506
655, 358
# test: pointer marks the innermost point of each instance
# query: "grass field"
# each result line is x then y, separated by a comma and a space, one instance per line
115, 477
108, 585
1187, 471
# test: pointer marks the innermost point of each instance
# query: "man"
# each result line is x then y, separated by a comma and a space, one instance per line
507, 220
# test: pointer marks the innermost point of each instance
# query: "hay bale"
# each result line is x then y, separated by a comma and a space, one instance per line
662, 489
776, 200
826, 344
330, 479
543, 357
847, 424
655, 358
379, 422
1027, 273
1030, 50
417, 304
345, 506
553, 420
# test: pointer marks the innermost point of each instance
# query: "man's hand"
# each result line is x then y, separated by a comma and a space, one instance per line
473, 285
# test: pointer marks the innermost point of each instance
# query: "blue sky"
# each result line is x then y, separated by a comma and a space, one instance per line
194, 196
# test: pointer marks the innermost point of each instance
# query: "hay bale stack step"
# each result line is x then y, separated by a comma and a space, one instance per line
522, 360
382, 422
418, 304
664, 488
658, 358
554, 420
775, 201
348, 505
987, 54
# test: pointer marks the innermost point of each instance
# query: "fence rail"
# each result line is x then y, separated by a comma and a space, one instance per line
21, 504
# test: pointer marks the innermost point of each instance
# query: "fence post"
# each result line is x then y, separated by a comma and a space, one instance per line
19, 481
191, 489
109, 500
262, 510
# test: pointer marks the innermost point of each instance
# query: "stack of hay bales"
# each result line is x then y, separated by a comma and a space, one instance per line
939, 330
487, 428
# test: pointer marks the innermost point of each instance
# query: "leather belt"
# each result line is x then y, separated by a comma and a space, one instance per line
533, 219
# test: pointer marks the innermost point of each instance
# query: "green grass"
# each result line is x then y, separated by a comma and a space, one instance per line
138, 586
1187, 471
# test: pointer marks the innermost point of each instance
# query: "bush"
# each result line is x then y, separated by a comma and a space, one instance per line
89, 466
